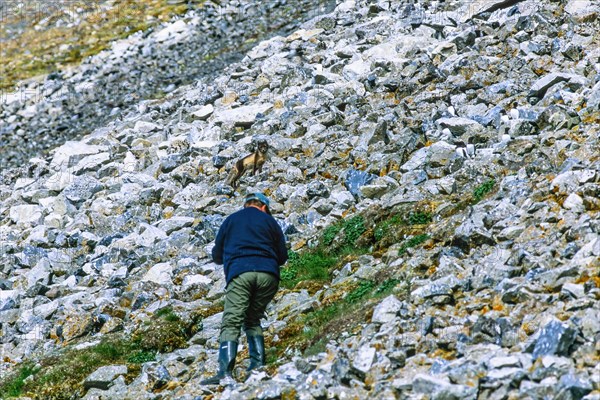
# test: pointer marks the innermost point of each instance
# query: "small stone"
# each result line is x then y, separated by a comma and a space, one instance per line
82, 188
355, 179
158, 375
540, 87
191, 280
442, 389
572, 289
457, 125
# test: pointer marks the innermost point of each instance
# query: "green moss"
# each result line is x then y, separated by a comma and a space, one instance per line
167, 314
419, 218
60, 376
14, 385
482, 190
141, 357
330, 233
363, 289
308, 265
383, 228
353, 228
387, 286
413, 242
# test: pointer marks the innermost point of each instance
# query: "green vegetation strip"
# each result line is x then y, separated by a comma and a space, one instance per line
61, 375
349, 237
313, 331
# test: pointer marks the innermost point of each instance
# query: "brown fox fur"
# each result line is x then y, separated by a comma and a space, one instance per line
255, 161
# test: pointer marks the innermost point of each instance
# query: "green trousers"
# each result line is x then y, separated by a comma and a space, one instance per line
247, 298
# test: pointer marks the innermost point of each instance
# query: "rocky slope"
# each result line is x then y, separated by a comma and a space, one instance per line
457, 142
72, 102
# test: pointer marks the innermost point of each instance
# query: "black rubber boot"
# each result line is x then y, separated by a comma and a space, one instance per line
227, 353
256, 349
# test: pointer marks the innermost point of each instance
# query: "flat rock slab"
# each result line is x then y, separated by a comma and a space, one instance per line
479, 7
242, 116
103, 376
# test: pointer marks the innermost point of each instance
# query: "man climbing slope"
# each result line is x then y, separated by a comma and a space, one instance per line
251, 246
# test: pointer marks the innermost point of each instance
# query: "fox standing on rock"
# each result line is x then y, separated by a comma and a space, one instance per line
255, 161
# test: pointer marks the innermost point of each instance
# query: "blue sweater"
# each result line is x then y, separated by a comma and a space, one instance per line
249, 240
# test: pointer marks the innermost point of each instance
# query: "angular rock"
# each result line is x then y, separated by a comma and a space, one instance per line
160, 273
555, 339
442, 389
387, 310
243, 116
103, 377
26, 214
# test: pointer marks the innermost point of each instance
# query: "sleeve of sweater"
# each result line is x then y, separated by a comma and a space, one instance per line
280, 248
217, 250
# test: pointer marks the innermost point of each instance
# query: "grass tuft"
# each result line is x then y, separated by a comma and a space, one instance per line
482, 190
413, 242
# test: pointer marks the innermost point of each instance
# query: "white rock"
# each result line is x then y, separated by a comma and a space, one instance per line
204, 112
573, 289
160, 273
103, 376
145, 127
386, 310
417, 160
364, 359
39, 273
303, 34
197, 279
71, 153
241, 116
356, 69
546, 82
578, 7
473, 8
346, 6
70, 282
342, 198
38, 235
26, 214
457, 125
150, 235
8, 299
502, 362
60, 260
91, 163
22, 183
59, 181
54, 220
574, 203
174, 32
